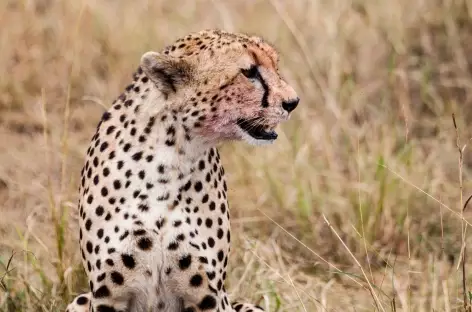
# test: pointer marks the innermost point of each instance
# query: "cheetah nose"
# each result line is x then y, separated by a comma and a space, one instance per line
290, 105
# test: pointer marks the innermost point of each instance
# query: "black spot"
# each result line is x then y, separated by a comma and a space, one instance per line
163, 197
196, 280
177, 223
110, 262
117, 278
194, 245
104, 146
117, 184
137, 156
160, 223
124, 235
106, 116
88, 224
211, 242
128, 261
220, 255
198, 186
145, 243
211, 275
207, 303
100, 233
187, 185
143, 207
101, 277
208, 223
173, 246
102, 292
110, 130
89, 247
89, 199
139, 232
82, 300
212, 206
220, 233
104, 191
185, 261
105, 308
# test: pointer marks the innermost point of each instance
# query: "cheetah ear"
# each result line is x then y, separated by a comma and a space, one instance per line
167, 72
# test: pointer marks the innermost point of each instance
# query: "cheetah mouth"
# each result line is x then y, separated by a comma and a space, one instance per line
256, 130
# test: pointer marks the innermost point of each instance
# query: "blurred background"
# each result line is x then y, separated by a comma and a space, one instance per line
356, 207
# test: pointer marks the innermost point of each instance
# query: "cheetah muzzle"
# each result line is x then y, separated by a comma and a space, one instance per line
154, 216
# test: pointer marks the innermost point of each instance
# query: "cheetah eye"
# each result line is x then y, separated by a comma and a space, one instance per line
251, 73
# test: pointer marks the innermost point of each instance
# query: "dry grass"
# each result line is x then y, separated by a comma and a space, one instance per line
356, 207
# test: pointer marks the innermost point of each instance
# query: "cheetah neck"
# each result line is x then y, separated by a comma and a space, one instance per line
147, 120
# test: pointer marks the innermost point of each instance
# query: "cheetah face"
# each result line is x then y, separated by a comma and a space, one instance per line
229, 81
256, 125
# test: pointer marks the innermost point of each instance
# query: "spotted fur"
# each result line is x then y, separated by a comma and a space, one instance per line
154, 215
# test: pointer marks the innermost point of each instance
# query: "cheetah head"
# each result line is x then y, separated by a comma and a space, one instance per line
227, 85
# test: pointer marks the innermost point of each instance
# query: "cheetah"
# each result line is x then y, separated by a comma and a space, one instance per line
153, 212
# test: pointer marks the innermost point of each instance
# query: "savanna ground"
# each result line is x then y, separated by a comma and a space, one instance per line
356, 207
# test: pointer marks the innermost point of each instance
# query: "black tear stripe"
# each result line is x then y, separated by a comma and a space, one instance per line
264, 101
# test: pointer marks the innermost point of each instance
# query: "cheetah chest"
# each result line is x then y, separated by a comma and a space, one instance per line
156, 214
